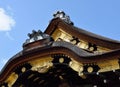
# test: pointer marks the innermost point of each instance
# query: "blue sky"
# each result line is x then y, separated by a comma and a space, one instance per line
20, 17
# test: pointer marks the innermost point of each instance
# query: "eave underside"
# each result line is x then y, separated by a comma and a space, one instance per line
63, 76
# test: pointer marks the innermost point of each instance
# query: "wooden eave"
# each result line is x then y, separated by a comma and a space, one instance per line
82, 34
56, 48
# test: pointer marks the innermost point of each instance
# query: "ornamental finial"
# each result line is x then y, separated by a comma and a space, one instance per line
35, 36
63, 16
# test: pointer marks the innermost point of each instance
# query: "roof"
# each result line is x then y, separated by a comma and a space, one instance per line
56, 48
82, 33
89, 62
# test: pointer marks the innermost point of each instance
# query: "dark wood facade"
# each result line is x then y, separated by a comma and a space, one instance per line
64, 56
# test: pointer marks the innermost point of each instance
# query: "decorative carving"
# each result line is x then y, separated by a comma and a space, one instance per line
22, 68
35, 36
75, 39
43, 69
61, 59
11, 79
90, 68
92, 47
63, 16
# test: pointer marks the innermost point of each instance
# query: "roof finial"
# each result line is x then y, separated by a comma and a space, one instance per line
63, 16
35, 36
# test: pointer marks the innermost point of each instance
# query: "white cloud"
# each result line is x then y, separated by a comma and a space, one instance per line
6, 21
9, 36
